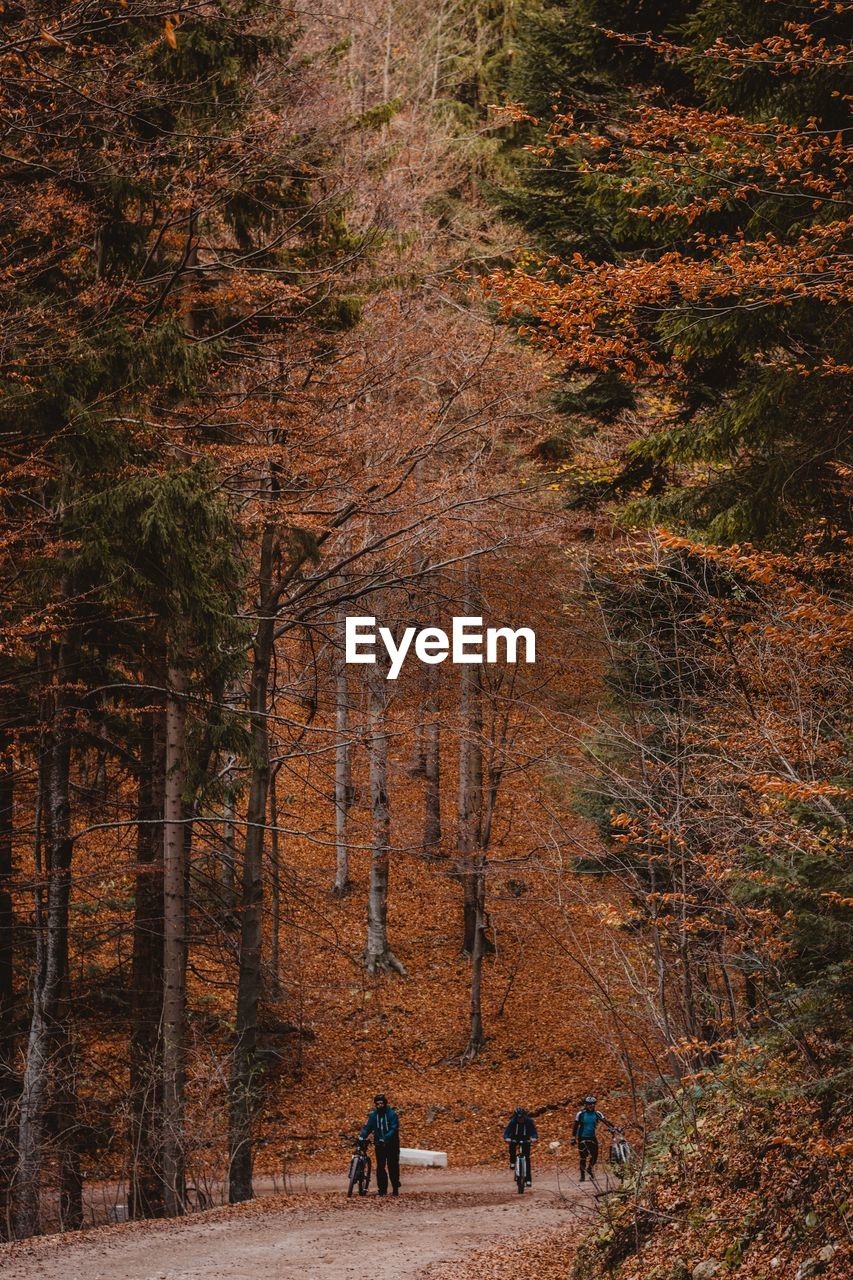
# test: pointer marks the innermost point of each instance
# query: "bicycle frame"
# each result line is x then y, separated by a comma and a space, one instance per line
521, 1168
359, 1169
620, 1150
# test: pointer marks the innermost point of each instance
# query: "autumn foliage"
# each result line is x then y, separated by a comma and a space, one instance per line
298, 326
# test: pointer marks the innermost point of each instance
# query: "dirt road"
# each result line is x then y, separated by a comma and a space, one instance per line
441, 1217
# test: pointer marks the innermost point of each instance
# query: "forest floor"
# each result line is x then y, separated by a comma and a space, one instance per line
446, 1224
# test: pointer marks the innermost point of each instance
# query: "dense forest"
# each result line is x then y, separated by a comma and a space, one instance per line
528, 311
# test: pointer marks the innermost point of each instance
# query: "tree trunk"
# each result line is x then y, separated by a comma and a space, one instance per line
378, 955
342, 763
439, 53
174, 948
470, 769
46, 1035
146, 1194
432, 765
476, 1034
386, 62
244, 1063
7, 919
418, 763
472, 835
68, 1126
275, 889
229, 843
8, 1081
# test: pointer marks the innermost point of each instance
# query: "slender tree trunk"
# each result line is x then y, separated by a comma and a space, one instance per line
417, 738
386, 62
67, 1124
146, 1195
46, 1035
174, 948
244, 1063
472, 835
470, 769
432, 764
229, 843
378, 955
8, 1080
244, 1069
731, 1003
343, 788
476, 1034
275, 889
439, 53
7, 918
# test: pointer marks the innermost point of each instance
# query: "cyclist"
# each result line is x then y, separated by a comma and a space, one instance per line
521, 1129
384, 1124
587, 1121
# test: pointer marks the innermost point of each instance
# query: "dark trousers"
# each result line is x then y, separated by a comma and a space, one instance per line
588, 1148
525, 1151
387, 1166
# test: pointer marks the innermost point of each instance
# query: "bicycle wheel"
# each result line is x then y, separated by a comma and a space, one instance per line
521, 1174
364, 1180
354, 1175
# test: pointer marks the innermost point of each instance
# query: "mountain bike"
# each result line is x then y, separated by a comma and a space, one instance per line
521, 1167
620, 1152
359, 1168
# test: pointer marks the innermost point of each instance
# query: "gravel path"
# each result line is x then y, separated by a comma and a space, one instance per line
442, 1216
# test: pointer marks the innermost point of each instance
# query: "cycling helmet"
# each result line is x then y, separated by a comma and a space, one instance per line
380, 1100
590, 1101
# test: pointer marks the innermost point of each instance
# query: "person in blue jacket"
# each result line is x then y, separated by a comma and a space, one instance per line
384, 1125
521, 1129
587, 1121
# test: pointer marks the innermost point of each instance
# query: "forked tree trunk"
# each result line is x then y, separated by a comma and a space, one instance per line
342, 762
8, 1081
244, 1067
145, 1196
174, 948
378, 955
432, 764
47, 1036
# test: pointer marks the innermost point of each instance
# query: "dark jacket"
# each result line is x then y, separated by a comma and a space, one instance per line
520, 1128
385, 1128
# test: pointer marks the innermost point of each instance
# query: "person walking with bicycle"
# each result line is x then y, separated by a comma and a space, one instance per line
384, 1125
521, 1130
587, 1121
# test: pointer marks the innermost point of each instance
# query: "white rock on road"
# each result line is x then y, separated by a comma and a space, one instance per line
415, 1158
